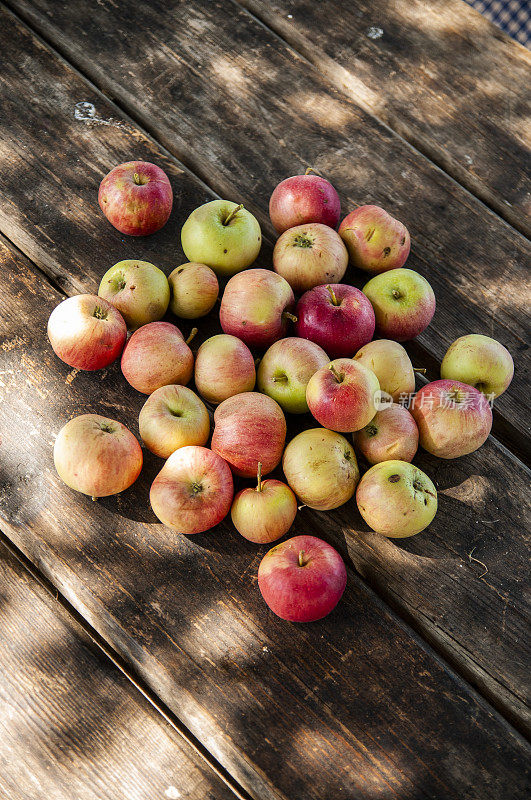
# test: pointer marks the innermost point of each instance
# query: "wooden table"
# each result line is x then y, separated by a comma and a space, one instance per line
136, 663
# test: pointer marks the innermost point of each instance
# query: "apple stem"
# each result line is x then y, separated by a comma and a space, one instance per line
301, 506
335, 373
193, 332
332, 295
310, 169
420, 370
136, 178
93, 498
233, 214
302, 562
290, 316
259, 477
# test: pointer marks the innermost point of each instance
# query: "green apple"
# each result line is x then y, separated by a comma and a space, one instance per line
480, 362
265, 513
285, 370
223, 235
138, 289
403, 302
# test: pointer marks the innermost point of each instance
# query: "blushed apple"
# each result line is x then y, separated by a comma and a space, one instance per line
286, 368
193, 491
343, 395
396, 499
97, 456
173, 417
479, 361
302, 199
310, 255
224, 366
266, 513
376, 242
136, 198
138, 289
392, 434
391, 365
194, 290
156, 355
403, 302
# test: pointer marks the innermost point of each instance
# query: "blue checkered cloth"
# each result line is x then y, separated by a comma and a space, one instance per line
512, 16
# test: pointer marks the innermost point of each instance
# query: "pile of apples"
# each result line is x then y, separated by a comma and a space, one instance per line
331, 367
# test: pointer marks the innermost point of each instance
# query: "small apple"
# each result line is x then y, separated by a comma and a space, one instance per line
453, 419
343, 395
256, 306
302, 199
223, 235
391, 365
479, 361
321, 468
86, 332
310, 255
136, 198
97, 456
266, 513
193, 491
173, 417
248, 428
403, 302
224, 366
138, 289
302, 579
286, 368
391, 434
157, 355
337, 317
375, 241
396, 499
194, 290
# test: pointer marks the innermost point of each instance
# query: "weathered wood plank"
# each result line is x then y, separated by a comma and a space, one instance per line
71, 725
244, 111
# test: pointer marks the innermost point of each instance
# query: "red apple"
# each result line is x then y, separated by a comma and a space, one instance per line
136, 198
403, 302
86, 332
343, 396
224, 366
157, 355
310, 255
97, 456
392, 434
302, 199
302, 579
256, 307
337, 317
193, 491
375, 241
265, 513
453, 419
173, 417
248, 428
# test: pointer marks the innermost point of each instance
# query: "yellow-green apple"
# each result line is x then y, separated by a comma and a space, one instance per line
136, 198
310, 255
224, 366
479, 361
194, 289
302, 579
343, 396
256, 307
265, 513
391, 434
173, 417
453, 418
321, 468
138, 289
223, 235
376, 242
248, 428
403, 302
193, 491
286, 368
86, 332
396, 499
97, 456
338, 317
157, 355
391, 365
302, 199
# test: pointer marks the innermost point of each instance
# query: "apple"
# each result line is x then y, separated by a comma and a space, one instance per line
224, 366
173, 417
157, 355
248, 428
343, 395
391, 365
194, 290
302, 579
337, 317
396, 499
266, 513
193, 491
302, 199
391, 434
375, 241
286, 368
310, 255
321, 468
479, 361
453, 419
97, 456
136, 198
138, 289
256, 307
223, 235
86, 332
403, 302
